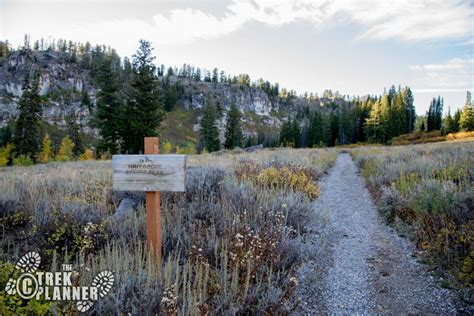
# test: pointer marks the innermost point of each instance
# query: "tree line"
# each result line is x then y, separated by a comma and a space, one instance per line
462, 120
132, 101
90, 57
129, 106
373, 119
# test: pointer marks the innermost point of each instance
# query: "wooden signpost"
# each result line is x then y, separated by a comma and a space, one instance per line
152, 173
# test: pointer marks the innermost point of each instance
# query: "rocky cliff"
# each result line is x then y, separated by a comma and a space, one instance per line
63, 84
65, 81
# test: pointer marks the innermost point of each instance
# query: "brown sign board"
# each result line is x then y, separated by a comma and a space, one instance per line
149, 172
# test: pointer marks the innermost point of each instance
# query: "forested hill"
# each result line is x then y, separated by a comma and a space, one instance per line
71, 76
69, 84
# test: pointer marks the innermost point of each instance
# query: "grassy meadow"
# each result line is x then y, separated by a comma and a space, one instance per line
230, 242
426, 192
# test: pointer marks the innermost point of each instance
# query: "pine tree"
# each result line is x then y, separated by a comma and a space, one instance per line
457, 120
295, 134
399, 115
86, 100
346, 124
449, 124
233, 132
410, 110
434, 114
215, 75
73, 130
286, 133
334, 124
466, 120
315, 133
439, 113
391, 94
260, 137
108, 114
26, 136
172, 93
430, 115
208, 132
143, 111
46, 150
197, 75
6, 134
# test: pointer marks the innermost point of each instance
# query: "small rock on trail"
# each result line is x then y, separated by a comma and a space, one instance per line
357, 264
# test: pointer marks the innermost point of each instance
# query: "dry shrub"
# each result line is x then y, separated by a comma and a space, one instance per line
286, 179
427, 191
230, 246
88, 154
296, 178
460, 135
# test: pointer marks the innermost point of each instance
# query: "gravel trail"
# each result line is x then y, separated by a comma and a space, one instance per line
354, 263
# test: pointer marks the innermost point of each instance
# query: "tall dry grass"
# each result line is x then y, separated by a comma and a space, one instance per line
230, 245
426, 191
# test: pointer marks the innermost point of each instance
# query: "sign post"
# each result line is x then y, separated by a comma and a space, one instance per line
151, 173
153, 216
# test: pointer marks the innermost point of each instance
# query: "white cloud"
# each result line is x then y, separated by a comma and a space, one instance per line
404, 19
412, 20
456, 74
453, 64
434, 90
469, 41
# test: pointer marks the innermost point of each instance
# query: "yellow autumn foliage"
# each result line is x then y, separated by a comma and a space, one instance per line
287, 179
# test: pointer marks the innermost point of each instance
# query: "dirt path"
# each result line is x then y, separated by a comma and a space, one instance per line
355, 263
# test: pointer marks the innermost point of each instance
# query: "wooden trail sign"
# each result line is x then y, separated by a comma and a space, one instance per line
151, 173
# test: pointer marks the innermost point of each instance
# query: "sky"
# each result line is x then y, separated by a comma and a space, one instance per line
358, 47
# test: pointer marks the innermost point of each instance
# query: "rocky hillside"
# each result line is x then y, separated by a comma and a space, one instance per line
61, 85
67, 88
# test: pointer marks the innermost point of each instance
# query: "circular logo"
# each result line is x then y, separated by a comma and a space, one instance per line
27, 286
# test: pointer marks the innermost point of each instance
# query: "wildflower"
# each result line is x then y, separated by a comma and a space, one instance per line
239, 242
294, 280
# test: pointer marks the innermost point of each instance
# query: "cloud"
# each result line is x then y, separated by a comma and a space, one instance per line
453, 64
404, 20
469, 41
440, 90
412, 20
456, 74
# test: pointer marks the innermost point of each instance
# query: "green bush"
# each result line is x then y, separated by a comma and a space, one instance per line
22, 161
14, 304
